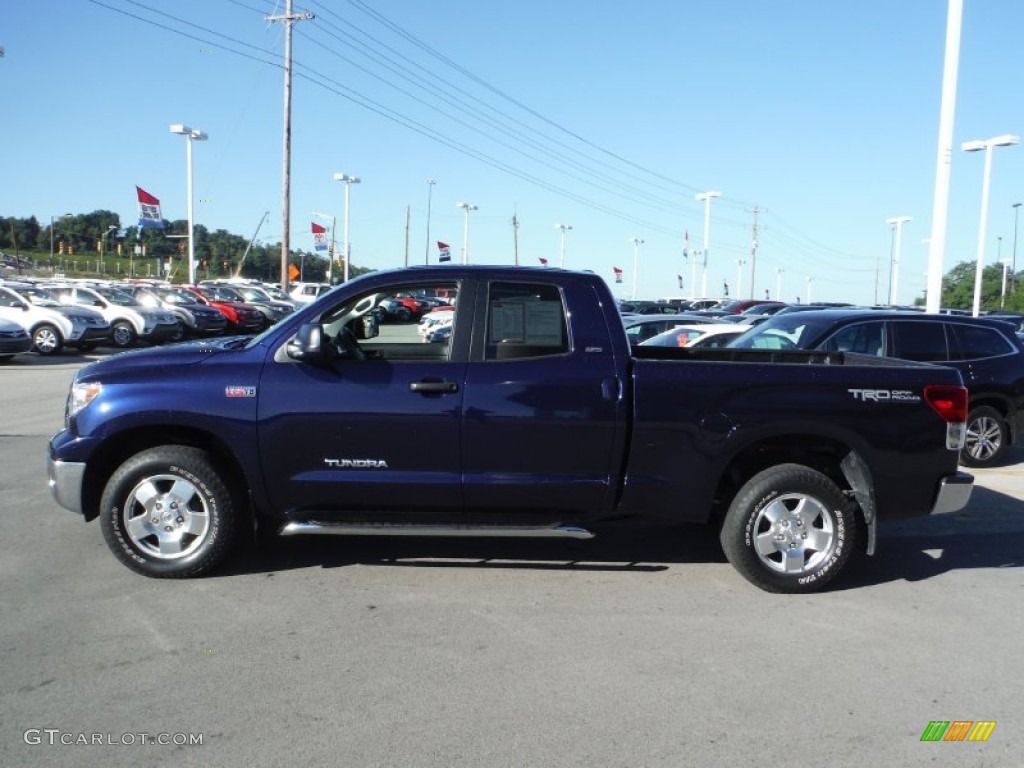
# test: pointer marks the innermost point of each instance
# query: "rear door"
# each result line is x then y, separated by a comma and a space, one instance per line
544, 411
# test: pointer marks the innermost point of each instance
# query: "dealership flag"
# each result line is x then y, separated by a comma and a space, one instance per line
543, 262
319, 237
149, 210
618, 274
443, 253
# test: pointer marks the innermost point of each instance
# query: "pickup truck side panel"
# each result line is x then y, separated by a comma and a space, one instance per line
692, 420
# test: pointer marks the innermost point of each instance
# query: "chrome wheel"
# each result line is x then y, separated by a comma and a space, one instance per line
166, 517
124, 334
986, 438
46, 340
793, 534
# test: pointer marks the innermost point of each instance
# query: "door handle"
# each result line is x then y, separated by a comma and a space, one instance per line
444, 387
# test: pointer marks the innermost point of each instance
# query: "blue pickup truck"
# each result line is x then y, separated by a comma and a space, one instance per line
534, 417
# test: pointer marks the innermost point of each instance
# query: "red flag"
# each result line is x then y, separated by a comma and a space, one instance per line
319, 237
543, 262
618, 274
443, 253
149, 210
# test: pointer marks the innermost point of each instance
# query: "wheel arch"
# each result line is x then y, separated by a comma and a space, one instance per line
117, 449
831, 456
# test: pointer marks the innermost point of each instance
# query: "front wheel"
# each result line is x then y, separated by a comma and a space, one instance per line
46, 340
789, 529
987, 437
167, 513
124, 334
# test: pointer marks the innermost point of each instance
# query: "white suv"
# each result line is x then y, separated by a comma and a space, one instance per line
129, 320
51, 325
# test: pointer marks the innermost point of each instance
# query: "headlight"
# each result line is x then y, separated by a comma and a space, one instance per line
81, 395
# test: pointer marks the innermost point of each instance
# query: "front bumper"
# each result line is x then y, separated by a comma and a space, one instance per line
65, 480
954, 493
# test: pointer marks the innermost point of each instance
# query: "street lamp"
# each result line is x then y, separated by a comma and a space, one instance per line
1002, 295
467, 207
637, 242
739, 276
897, 223
191, 134
348, 181
561, 257
778, 283
810, 283
706, 197
330, 260
975, 146
430, 195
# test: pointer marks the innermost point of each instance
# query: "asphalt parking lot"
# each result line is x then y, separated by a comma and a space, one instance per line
639, 648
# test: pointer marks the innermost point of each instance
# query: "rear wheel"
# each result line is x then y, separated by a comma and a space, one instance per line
987, 437
789, 529
167, 513
46, 339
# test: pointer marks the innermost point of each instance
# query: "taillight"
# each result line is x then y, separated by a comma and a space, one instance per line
951, 404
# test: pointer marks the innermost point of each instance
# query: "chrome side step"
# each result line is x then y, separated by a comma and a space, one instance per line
400, 529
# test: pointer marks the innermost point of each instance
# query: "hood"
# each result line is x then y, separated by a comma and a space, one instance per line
169, 356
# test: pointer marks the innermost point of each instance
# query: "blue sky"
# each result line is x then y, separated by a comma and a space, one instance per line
608, 117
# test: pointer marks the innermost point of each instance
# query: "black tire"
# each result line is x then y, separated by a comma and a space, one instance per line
47, 339
167, 513
123, 334
987, 439
789, 529
180, 333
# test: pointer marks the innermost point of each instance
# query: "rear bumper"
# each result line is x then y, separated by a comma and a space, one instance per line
954, 493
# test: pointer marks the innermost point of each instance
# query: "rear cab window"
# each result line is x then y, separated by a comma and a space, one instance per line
525, 320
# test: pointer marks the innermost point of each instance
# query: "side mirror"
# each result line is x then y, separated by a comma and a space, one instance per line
367, 327
307, 346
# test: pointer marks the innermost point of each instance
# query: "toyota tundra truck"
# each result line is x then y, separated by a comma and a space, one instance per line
534, 417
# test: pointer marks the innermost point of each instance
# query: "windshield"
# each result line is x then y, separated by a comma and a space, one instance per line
120, 298
176, 297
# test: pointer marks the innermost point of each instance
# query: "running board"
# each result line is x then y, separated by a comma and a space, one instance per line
399, 529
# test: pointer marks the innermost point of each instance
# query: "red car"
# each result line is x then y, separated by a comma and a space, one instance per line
241, 317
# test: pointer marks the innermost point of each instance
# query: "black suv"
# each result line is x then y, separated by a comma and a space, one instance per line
988, 354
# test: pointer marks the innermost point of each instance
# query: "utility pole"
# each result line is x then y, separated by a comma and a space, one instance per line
515, 239
753, 253
286, 184
407, 214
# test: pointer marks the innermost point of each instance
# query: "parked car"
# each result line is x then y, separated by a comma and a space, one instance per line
304, 293
242, 318
52, 325
195, 318
14, 340
708, 335
988, 354
129, 320
642, 327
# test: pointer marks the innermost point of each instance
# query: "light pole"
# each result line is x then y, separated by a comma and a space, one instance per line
706, 197
637, 242
348, 181
975, 146
103, 240
330, 259
561, 257
191, 134
810, 284
430, 195
467, 207
778, 283
897, 223
739, 276
1002, 295
1013, 266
